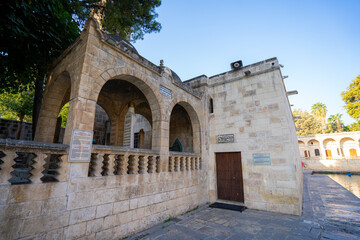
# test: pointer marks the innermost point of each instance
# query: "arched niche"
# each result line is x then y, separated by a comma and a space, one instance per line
184, 128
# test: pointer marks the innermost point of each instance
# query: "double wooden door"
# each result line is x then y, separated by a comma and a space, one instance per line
229, 176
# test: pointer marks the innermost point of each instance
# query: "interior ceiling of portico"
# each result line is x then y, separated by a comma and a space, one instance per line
116, 95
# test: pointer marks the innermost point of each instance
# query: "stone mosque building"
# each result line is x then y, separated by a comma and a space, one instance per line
140, 145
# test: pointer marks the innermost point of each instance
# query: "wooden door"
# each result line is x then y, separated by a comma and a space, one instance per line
229, 176
328, 153
353, 152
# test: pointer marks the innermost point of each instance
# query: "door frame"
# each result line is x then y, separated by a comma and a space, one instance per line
216, 177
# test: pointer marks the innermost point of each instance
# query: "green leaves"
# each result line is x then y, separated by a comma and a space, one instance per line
351, 97
17, 106
307, 125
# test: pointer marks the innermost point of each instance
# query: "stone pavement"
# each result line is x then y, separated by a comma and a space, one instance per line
329, 212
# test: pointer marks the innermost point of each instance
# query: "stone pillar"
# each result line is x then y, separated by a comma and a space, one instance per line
130, 120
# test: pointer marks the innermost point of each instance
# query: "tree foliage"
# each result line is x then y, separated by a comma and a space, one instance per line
17, 106
354, 126
307, 124
335, 124
64, 114
132, 19
320, 110
351, 97
33, 33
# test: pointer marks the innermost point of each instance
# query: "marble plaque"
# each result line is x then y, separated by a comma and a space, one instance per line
261, 159
225, 138
80, 146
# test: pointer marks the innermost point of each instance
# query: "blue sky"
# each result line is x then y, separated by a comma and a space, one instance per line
317, 41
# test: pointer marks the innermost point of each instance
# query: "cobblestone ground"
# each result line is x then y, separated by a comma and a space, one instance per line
329, 212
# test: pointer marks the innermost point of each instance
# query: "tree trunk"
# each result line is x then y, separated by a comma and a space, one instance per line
338, 126
37, 102
323, 123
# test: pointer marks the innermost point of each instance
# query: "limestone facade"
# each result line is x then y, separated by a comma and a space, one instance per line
332, 151
124, 189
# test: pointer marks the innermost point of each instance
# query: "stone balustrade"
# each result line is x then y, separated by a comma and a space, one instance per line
24, 162
119, 192
181, 161
110, 160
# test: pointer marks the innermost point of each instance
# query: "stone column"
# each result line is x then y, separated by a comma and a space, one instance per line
130, 120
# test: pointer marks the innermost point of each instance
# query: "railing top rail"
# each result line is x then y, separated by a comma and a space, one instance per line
31, 145
184, 154
118, 149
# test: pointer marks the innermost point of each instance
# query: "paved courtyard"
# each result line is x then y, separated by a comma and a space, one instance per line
329, 212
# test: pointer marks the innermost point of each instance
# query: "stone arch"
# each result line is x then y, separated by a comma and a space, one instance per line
147, 89
348, 147
301, 143
313, 143
194, 122
330, 147
58, 92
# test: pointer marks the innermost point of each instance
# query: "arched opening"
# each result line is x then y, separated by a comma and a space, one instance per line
314, 145
353, 153
348, 147
330, 147
184, 129
129, 112
317, 152
102, 126
56, 96
211, 106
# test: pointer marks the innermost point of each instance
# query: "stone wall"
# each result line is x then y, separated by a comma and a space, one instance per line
110, 203
8, 129
252, 105
332, 164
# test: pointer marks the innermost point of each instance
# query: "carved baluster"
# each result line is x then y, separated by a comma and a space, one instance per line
6, 167
171, 164
98, 164
177, 164
133, 166
125, 164
196, 163
192, 163
157, 163
111, 165
142, 164
187, 161
105, 165
136, 164
182, 164
39, 167
200, 163
150, 166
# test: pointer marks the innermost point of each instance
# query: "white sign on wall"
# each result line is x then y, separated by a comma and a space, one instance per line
80, 146
261, 159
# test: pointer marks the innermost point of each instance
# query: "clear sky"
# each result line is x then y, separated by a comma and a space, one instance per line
318, 42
